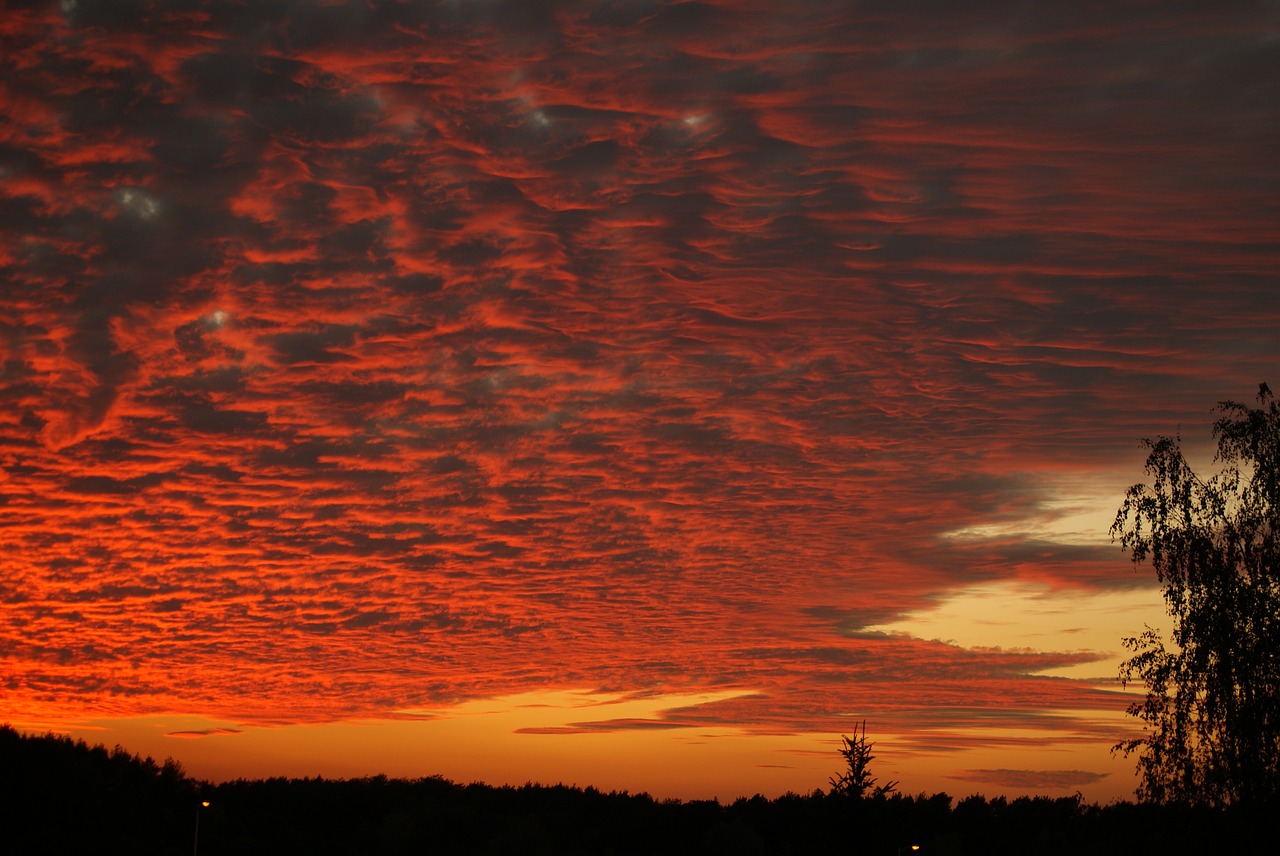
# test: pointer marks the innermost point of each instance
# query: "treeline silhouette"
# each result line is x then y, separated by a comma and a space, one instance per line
64, 796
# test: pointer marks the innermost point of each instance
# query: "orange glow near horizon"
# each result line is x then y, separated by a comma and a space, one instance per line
611, 743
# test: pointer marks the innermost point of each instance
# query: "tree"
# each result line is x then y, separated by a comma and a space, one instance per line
857, 780
1212, 710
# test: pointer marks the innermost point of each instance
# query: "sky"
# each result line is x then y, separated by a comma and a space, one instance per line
637, 394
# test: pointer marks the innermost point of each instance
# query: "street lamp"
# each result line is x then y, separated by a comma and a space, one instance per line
195, 842
901, 849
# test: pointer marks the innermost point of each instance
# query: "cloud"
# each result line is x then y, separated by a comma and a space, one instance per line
604, 726
1031, 780
204, 732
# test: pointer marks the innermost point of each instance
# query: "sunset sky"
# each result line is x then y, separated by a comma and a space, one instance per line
635, 394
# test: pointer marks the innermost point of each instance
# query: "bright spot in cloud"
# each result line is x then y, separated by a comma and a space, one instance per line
138, 202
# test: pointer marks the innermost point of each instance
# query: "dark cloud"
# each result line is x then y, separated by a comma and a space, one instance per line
204, 732
605, 726
1030, 780
108, 485
318, 345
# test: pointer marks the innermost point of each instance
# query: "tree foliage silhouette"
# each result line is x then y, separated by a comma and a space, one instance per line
62, 796
856, 780
1212, 709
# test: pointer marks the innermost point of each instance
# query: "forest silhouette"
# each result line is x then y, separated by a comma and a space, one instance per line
64, 796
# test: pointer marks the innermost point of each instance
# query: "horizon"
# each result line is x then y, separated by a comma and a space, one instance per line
649, 389
298, 766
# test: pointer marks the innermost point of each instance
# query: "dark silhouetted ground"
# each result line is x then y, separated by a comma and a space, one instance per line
63, 796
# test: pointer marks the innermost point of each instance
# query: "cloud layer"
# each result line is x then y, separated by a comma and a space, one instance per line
366, 356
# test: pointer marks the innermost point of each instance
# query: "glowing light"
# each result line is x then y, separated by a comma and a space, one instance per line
139, 203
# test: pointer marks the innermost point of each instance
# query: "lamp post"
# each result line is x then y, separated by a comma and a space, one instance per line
195, 841
904, 848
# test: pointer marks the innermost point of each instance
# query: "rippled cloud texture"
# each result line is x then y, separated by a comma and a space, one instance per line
363, 357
